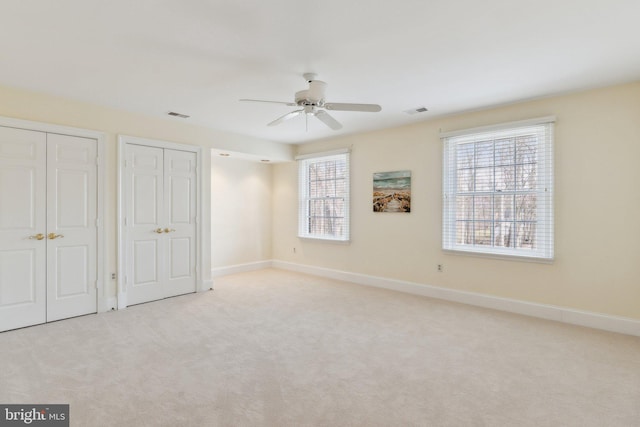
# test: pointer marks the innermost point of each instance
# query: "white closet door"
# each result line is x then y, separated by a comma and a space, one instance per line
145, 221
180, 221
160, 197
71, 226
22, 218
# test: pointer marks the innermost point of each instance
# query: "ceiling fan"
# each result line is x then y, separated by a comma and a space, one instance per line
312, 103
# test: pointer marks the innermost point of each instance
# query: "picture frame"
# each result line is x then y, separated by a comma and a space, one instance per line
392, 191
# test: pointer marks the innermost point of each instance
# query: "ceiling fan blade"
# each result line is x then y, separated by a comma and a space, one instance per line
325, 118
285, 117
372, 108
290, 104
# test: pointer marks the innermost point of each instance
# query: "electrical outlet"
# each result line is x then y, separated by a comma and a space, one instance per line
440, 268
113, 276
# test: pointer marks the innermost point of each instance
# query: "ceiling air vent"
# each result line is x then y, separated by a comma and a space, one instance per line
416, 110
174, 114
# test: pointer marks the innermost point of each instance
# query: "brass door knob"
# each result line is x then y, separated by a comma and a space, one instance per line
54, 236
38, 236
158, 230
168, 230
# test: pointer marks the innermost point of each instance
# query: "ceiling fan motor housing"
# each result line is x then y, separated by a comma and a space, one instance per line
312, 96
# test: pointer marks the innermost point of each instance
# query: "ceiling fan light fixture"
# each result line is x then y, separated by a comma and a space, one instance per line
316, 91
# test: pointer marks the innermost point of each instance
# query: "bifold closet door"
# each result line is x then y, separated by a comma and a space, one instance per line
48, 230
160, 186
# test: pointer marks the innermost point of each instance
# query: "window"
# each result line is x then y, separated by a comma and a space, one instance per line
498, 190
323, 181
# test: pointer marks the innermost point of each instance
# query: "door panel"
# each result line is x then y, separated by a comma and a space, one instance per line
146, 206
145, 256
180, 258
71, 226
16, 267
16, 185
71, 198
145, 215
73, 274
22, 215
180, 203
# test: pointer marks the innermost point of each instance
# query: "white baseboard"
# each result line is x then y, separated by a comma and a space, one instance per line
621, 325
240, 268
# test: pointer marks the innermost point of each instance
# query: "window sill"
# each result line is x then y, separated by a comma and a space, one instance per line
504, 257
325, 239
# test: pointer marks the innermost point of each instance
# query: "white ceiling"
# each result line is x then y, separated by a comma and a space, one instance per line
199, 57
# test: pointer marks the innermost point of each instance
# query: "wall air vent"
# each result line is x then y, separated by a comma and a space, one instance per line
174, 114
416, 110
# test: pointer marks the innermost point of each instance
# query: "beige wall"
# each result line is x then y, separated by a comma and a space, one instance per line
240, 211
597, 201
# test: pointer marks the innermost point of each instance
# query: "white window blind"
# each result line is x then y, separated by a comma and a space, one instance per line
498, 190
323, 194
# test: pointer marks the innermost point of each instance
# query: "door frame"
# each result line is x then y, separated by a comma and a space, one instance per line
104, 301
202, 251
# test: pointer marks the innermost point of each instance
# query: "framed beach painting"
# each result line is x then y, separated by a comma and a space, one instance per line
392, 191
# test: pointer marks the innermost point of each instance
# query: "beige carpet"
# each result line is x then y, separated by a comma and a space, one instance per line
275, 348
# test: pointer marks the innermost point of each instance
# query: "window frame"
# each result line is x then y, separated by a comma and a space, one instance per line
544, 235
305, 198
